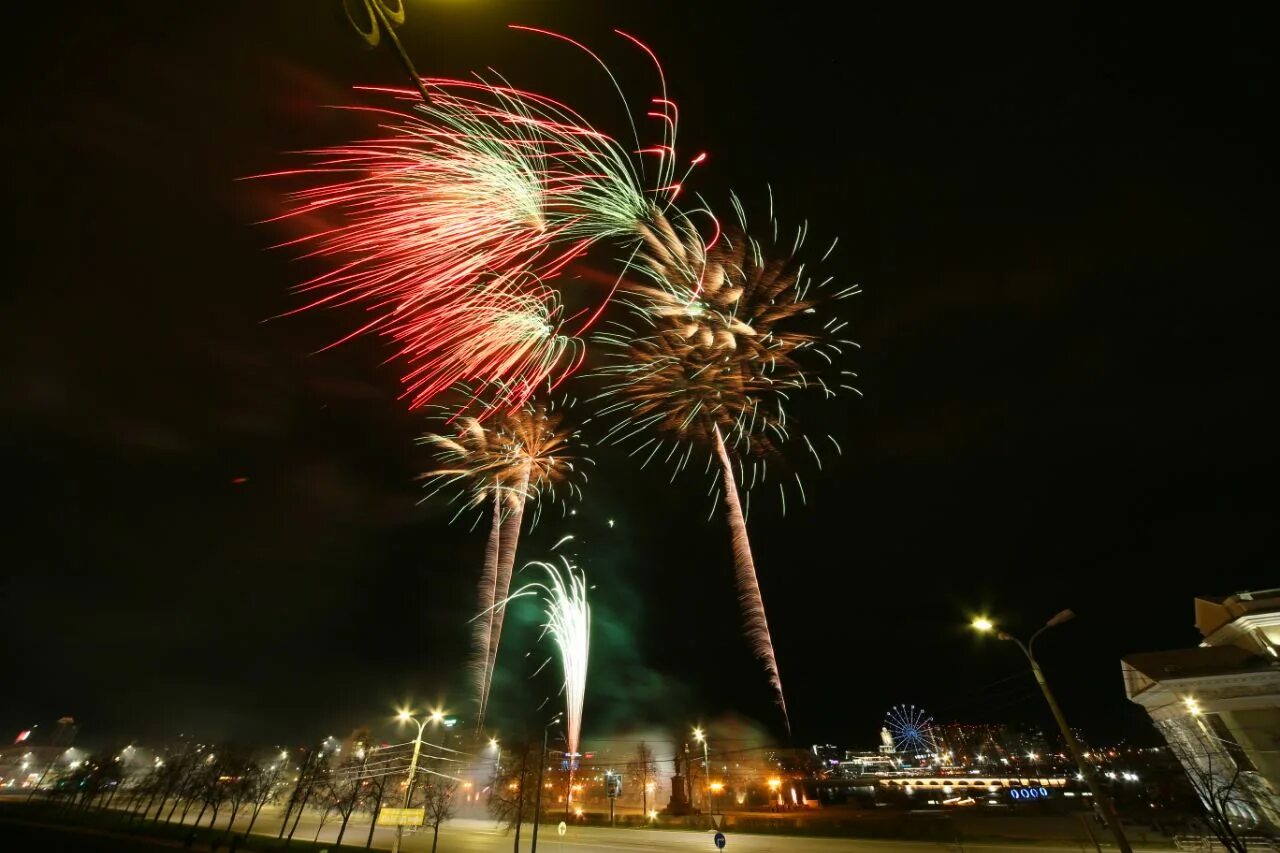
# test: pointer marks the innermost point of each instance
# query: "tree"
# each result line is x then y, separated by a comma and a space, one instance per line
192, 785
264, 788
311, 784
514, 792
344, 786
86, 780
437, 798
241, 786
210, 781
644, 772
1213, 765
299, 782
170, 777
375, 790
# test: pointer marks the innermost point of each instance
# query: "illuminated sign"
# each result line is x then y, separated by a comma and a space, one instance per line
402, 817
1040, 793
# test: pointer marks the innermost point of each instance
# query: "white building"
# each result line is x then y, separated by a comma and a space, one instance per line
1218, 706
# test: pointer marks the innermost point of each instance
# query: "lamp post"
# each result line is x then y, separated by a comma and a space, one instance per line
984, 625
542, 763
383, 17
406, 717
701, 738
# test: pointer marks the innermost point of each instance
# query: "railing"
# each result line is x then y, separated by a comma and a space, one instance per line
1210, 844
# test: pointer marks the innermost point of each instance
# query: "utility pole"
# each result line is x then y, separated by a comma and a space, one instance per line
542, 763
1100, 797
413, 773
520, 794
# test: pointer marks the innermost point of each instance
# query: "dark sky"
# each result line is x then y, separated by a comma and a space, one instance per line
1064, 228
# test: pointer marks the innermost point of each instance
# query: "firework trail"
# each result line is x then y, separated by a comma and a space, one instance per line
509, 461
454, 228
564, 600
727, 336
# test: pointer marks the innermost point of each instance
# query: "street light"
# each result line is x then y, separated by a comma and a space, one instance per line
405, 716
701, 738
985, 625
542, 763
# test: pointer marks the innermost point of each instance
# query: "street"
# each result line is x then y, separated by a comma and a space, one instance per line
482, 836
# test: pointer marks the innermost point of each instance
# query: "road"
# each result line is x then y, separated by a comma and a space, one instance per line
481, 836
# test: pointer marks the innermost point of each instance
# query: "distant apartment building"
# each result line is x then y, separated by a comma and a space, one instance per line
1218, 705
975, 744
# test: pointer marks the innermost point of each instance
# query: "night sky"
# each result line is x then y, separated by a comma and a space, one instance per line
1064, 229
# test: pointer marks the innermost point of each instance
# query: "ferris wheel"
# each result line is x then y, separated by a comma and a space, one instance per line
911, 729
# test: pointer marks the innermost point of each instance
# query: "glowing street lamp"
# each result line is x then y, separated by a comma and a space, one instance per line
984, 625
701, 738
405, 716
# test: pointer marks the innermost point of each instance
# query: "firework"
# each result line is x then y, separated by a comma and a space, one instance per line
509, 461
449, 227
564, 599
727, 336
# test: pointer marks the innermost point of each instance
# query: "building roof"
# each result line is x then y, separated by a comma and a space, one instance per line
1214, 611
1193, 663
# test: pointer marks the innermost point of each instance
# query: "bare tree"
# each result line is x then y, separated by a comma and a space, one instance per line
514, 792
375, 789
170, 779
87, 780
213, 779
438, 798
264, 788
311, 785
344, 786
240, 772
644, 772
193, 785
1213, 765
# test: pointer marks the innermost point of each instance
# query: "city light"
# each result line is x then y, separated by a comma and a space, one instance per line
775, 783
437, 716
717, 787
403, 716
493, 743
1193, 707
982, 624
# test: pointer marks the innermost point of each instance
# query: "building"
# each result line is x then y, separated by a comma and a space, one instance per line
1218, 705
986, 744
35, 752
